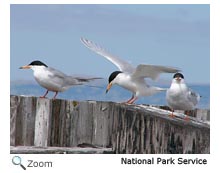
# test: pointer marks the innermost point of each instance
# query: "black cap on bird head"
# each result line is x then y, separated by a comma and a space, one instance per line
178, 75
33, 63
38, 63
111, 78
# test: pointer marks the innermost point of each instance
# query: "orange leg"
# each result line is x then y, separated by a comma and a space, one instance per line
54, 97
172, 115
186, 117
131, 101
44, 95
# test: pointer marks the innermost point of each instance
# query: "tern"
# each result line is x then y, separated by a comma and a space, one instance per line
53, 79
129, 77
181, 97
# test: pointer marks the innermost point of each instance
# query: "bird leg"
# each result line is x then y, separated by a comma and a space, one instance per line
44, 95
172, 115
187, 116
132, 100
54, 97
129, 99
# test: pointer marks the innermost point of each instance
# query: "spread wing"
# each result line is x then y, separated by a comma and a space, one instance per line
121, 64
152, 71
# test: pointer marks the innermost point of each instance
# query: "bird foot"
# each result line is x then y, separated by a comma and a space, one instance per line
186, 118
130, 102
126, 103
172, 115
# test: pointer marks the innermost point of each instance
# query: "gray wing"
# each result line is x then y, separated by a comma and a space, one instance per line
62, 79
152, 71
121, 64
56, 73
66, 80
193, 97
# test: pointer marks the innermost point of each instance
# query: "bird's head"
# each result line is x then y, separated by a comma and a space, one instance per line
178, 78
34, 64
112, 79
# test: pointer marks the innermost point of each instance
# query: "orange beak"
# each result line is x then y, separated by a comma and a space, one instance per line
108, 87
178, 79
25, 67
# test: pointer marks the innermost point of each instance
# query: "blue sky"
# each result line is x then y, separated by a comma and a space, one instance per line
173, 35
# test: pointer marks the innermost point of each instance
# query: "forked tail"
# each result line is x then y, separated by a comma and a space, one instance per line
161, 89
82, 79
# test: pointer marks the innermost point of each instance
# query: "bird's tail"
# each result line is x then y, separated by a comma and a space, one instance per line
93, 86
82, 79
161, 89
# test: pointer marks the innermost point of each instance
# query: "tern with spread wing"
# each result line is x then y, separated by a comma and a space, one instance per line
179, 96
53, 79
129, 77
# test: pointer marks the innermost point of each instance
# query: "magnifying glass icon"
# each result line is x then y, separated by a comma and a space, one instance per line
16, 160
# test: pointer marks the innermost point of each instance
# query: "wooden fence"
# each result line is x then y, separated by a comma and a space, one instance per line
62, 126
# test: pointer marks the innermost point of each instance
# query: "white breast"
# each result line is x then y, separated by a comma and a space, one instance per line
45, 79
177, 97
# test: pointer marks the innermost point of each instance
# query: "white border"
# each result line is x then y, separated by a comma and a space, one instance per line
108, 163
110, 2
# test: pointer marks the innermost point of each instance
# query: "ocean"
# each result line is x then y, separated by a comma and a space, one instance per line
116, 94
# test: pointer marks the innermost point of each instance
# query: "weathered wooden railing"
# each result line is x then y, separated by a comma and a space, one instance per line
44, 125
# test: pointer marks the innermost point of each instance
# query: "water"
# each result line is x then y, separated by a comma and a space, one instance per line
116, 94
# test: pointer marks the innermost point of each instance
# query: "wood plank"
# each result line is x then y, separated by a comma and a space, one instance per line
125, 128
146, 129
58, 150
23, 117
42, 122
14, 102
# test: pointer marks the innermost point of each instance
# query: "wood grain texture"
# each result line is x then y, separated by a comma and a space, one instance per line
58, 150
122, 127
145, 132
